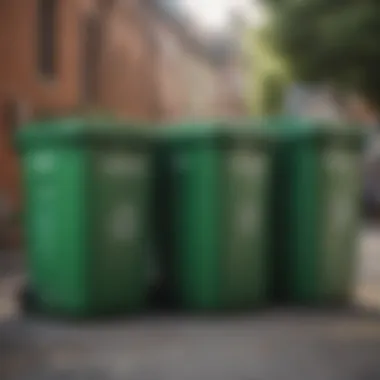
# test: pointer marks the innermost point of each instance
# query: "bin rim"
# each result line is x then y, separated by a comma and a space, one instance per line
224, 131
349, 134
80, 131
320, 132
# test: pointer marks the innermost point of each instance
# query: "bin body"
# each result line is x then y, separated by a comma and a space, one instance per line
86, 193
317, 208
213, 241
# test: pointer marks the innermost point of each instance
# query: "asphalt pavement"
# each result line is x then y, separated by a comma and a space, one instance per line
280, 344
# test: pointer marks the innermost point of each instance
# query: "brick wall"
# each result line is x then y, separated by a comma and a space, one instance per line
202, 84
230, 99
171, 81
187, 78
126, 75
127, 84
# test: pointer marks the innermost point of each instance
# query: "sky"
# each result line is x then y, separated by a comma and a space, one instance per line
214, 13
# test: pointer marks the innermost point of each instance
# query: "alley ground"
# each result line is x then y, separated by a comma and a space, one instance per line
267, 345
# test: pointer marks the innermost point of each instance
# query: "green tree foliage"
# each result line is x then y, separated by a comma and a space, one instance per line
273, 93
268, 77
337, 41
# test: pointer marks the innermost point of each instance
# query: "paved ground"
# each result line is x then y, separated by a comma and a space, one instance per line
271, 345
276, 345
368, 276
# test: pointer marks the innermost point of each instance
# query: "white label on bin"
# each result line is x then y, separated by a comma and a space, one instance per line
246, 220
340, 215
43, 162
118, 165
340, 190
123, 223
247, 164
338, 163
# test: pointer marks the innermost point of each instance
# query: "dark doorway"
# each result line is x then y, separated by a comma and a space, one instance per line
47, 33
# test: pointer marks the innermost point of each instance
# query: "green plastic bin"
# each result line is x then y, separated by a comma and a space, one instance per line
316, 208
211, 210
87, 190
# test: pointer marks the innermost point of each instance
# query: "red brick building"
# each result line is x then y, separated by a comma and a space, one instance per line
59, 55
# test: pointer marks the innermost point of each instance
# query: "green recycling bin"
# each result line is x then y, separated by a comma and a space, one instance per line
86, 196
316, 208
211, 210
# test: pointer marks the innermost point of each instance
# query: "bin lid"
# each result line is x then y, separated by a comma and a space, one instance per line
350, 135
77, 130
217, 131
185, 131
287, 128
322, 133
